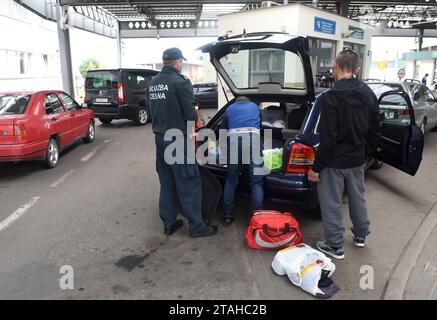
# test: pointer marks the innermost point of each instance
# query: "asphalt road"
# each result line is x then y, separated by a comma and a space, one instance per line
97, 212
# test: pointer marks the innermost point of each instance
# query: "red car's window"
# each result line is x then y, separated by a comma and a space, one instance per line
68, 101
53, 105
13, 103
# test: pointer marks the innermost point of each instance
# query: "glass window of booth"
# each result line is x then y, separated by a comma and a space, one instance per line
322, 54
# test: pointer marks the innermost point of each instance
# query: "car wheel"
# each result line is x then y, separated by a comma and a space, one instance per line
91, 134
377, 164
105, 121
142, 117
52, 155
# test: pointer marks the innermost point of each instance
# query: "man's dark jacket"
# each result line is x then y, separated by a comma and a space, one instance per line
171, 101
349, 125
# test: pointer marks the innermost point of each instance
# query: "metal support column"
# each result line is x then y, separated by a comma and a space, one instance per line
420, 39
64, 48
343, 7
119, 49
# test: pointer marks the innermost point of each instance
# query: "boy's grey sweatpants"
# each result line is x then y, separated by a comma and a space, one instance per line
333, 182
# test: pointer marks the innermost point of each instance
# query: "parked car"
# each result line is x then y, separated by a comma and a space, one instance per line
434, 88
411, 80
119, 94
372, 79
39, 125
274, 70
422, 99
206, 95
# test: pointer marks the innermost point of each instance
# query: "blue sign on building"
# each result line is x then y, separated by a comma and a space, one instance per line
324, 25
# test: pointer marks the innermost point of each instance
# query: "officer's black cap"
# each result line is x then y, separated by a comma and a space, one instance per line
173, 54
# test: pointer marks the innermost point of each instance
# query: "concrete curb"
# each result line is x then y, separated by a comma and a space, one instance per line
397, 282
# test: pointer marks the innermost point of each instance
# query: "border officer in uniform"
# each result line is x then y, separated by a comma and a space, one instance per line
171, 104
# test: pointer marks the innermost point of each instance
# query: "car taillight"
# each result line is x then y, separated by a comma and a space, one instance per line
20, 133
403, 112
301, 158
120, 93
19, 130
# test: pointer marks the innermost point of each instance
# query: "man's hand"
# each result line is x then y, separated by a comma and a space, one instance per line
313, 176
193, 134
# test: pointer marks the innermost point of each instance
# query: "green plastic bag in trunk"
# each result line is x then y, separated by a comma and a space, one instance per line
273, 158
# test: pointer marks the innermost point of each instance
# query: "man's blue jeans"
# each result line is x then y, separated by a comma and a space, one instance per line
233, 173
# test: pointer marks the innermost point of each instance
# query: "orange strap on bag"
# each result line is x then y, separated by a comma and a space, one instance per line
273, 230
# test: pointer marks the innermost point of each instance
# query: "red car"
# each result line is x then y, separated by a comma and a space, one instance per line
39, 125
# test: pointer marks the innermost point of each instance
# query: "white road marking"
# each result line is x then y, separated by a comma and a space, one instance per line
107, 140
18, 213
61, 179
89, 155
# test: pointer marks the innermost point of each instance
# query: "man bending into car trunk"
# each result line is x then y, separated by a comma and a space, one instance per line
349, 128
243, 121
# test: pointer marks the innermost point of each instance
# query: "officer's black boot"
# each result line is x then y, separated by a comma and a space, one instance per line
208, 231
174, 227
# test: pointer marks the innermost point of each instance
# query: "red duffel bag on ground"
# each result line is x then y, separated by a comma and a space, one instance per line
270, 229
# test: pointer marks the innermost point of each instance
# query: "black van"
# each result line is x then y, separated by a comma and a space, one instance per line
119, 94
206, 95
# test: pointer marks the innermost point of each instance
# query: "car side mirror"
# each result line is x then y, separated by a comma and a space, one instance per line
84, 105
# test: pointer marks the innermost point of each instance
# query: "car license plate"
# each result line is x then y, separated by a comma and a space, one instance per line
102, 100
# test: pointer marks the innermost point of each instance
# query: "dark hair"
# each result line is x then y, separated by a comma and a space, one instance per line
242, 98
169, 63
347, 60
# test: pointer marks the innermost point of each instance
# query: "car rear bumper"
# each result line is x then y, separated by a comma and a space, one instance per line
290, 188
124, 111
19, 152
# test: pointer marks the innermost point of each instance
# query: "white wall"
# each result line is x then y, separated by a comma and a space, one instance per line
426, 66
25, 32
409, 70
274, 19
209, 73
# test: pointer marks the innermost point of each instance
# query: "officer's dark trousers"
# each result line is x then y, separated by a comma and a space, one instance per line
179, 183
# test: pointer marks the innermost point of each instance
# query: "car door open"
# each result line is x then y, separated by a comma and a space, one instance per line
401, 141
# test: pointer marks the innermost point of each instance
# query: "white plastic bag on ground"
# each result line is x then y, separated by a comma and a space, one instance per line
306, 267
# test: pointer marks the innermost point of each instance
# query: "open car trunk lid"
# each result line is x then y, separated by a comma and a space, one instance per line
264, 65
